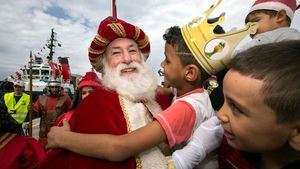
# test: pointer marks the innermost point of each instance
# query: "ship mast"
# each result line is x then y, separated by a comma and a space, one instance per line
52, 42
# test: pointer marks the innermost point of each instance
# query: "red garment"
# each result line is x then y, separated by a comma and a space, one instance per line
20, 152
54, 110
230, 158
51, 104
66, 116
109, 119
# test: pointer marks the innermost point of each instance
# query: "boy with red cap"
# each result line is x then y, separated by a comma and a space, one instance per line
274, 18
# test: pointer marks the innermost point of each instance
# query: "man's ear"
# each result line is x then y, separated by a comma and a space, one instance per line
294, 140
281, 16
191, 73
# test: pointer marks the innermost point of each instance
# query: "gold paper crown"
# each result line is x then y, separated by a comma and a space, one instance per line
213, 51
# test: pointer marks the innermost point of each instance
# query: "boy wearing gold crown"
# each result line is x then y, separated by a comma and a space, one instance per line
274, 18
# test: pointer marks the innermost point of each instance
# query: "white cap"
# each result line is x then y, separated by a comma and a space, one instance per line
289, 6
19, 83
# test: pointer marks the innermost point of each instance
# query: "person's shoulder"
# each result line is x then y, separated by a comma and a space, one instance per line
283, 32
8, 93
64, 95
25, 94
43, 96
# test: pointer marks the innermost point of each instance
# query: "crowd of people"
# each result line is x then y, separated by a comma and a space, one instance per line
223, 108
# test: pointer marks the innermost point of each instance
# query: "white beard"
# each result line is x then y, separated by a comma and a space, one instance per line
137, 86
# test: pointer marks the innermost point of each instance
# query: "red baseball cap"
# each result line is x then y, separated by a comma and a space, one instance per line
89, 79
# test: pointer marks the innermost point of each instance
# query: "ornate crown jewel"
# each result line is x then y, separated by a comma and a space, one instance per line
213, 51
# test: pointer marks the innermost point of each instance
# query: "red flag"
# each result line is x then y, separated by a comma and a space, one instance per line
55, 69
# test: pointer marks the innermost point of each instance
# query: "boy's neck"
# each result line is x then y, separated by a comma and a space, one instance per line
280, 158
186, 88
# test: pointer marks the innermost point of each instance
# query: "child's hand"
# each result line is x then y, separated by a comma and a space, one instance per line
206, 138
55, 137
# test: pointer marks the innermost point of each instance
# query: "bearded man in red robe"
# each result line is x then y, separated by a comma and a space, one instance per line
125, 102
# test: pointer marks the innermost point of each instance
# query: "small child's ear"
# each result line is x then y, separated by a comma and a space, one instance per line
294, 140
192, 73
281, 16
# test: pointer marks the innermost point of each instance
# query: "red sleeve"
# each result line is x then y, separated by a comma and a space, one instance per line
36, 106
68, 104
33, 153
177, 121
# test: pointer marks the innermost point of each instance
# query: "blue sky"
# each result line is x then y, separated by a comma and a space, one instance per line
57, 12
26, 25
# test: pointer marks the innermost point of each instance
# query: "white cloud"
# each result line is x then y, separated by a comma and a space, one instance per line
26, 26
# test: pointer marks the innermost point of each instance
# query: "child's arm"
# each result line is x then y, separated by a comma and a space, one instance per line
175, 124
104, 146
206, 138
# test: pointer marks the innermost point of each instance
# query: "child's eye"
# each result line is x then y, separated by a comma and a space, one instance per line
234, 108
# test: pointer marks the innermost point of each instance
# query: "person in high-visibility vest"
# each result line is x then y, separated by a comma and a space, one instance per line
17, 102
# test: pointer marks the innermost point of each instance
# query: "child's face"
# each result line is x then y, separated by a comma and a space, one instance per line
249, 124
266, 22
173, 69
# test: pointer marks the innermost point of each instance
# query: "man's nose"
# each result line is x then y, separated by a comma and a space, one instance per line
127, 58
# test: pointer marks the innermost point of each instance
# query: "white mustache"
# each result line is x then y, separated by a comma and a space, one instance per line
128, 67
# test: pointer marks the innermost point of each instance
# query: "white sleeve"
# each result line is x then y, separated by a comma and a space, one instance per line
259, 39
206, 138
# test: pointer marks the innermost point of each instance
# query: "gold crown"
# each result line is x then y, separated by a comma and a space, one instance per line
213, 51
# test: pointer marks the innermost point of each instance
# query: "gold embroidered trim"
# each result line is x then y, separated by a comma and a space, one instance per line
137, 158
137, 33
97, 42
171, 164
5, 139
143, 43
138, 163
96, 52
125, 113
102, 39
118, 29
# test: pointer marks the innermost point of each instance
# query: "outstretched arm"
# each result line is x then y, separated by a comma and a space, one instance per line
206, 138
105, 146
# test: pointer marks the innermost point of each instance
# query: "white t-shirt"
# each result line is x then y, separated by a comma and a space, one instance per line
277, 35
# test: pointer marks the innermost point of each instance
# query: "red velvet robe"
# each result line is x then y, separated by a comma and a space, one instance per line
20, 152
99, 113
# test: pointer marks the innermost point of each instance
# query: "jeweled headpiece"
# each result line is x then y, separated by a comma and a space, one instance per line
213, 51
